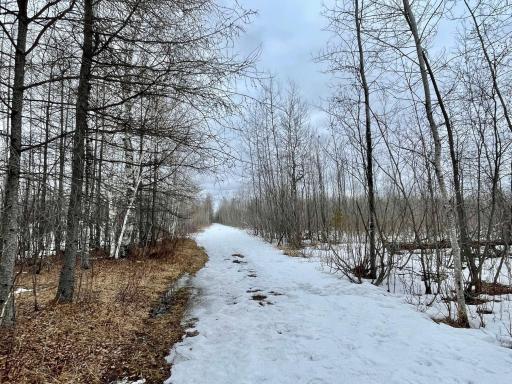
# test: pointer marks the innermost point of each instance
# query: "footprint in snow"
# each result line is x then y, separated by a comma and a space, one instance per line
259, 296
262, 299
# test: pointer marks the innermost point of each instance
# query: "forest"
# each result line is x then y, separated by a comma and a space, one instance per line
105, 114
108, 112
414, 168
112, 112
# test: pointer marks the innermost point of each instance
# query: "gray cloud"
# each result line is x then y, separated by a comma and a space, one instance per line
290, 35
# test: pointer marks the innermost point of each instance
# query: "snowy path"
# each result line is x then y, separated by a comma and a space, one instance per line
316, 328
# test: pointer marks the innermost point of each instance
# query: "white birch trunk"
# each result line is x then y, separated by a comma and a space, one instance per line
449, 211
125, 219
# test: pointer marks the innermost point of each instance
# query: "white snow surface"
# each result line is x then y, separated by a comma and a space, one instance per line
318, 328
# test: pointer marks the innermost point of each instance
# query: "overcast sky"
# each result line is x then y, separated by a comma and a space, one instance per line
289, 34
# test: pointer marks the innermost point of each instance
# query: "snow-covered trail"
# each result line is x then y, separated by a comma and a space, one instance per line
315, 328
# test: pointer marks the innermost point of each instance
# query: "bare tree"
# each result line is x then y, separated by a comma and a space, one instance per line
450, 213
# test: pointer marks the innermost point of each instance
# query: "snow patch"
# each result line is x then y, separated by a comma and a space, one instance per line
126, 381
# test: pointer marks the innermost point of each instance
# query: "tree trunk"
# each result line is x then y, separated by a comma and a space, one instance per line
42, 217
67, 275
9, 223
62, 159
462, 316
369, 145
126, 217
459, 201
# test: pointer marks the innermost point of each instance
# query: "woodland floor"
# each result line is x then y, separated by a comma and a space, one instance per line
116, 328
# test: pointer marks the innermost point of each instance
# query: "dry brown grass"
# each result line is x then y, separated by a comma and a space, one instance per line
291, 251
451, 322
108, 332
495, 289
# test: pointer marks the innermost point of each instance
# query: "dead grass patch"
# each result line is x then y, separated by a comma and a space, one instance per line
292, 252
107, 333
495, 289
451, 322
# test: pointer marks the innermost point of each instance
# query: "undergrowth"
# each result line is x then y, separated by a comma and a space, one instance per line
107, 333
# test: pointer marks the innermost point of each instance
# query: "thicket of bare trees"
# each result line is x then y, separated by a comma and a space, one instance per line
418, 152
106, 116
